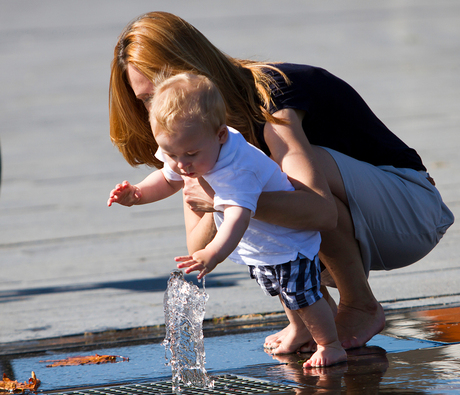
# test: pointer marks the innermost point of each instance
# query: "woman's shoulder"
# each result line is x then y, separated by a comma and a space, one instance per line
297, 72
301, 85
295, 85
302, 79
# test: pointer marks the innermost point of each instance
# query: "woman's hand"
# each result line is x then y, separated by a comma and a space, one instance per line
198, 195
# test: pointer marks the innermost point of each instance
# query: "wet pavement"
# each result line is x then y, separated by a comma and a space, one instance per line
78, 277
418, 352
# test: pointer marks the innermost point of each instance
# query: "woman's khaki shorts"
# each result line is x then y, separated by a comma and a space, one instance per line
398, 216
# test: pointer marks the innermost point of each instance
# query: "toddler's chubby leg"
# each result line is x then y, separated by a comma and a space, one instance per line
319, 320
275, 340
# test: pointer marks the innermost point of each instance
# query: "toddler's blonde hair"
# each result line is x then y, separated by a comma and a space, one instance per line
186, 99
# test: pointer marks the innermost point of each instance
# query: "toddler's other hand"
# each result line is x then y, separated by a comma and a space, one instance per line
124, 194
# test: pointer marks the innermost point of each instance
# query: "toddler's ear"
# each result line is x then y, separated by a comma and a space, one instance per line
222, 134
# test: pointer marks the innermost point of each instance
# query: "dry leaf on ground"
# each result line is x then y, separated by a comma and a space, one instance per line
86, 360
14, 386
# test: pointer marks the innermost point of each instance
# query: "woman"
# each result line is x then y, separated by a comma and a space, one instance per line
356, 182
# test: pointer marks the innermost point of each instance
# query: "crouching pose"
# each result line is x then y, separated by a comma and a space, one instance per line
187, 116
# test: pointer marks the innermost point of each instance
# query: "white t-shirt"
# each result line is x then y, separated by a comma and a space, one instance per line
242, 172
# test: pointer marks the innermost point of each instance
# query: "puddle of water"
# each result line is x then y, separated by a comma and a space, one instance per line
437, 325
240, 352
388, 364
395, 345
433, 370
442, 325
146, 362
370, 370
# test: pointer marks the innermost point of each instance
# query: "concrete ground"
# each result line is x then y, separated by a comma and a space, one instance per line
70, 265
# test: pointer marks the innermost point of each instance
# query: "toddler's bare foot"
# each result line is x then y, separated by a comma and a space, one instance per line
295, 340
274, 340
327, 356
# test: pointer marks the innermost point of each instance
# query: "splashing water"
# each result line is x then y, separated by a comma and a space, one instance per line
184, 308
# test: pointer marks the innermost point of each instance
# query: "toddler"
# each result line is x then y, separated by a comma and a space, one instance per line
187, 116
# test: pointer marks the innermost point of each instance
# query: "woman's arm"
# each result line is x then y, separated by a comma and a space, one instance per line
199, 225
311, 205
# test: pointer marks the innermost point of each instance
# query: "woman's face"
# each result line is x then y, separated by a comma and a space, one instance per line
141, 85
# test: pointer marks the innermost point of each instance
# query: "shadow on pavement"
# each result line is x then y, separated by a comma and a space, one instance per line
154, 284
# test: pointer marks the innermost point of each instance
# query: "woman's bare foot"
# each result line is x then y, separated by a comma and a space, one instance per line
326, 356
357, 326
295, 340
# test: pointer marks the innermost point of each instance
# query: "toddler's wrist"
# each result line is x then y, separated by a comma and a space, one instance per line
137, 194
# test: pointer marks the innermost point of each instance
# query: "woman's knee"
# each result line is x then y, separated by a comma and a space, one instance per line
332, 173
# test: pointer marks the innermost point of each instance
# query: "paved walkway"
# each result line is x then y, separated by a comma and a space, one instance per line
69, 264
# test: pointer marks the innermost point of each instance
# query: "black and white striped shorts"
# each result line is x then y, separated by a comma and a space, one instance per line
298, 282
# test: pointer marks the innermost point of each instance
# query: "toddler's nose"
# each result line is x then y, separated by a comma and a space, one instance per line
182, 164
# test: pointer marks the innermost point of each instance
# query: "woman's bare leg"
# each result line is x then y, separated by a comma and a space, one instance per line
329, 299
359, 315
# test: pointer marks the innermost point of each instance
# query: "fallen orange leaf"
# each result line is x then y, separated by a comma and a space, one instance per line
13, 386
86, 360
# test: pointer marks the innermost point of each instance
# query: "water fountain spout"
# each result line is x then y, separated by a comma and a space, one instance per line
184, 308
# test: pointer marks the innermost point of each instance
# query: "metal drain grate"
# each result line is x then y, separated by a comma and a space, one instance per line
223, 385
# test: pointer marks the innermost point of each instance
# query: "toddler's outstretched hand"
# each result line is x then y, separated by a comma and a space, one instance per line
198, 261
124, 194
